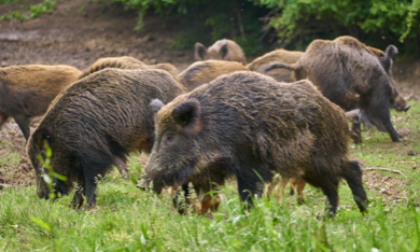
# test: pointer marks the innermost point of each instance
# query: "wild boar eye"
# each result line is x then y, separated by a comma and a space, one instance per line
168, 138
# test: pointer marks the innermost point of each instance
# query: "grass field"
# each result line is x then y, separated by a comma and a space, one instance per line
127, 219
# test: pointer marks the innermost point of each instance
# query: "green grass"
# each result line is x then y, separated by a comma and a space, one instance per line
127, 219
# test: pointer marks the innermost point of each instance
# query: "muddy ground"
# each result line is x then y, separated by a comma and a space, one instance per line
78, 32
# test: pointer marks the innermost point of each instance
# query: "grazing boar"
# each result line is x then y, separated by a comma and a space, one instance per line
224, 49
126, 62
352, 76
281, 55
250, 126
95, 123
202, 72
27, 91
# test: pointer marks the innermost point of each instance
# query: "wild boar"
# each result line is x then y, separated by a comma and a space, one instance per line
250, 126
285, 56
224, 49
352, 76
27, 91
94, 124
202, 72
126, 62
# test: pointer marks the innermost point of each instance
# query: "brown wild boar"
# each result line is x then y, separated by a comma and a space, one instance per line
27, 91
248, 125
95, 124
126, 62
280, 184
352, 76
285, 56
202, 72
224, 49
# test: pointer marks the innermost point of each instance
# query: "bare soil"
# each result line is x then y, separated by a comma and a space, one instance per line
78, 32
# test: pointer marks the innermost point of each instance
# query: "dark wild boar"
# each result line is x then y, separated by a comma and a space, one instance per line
281, 55
352, 76
27, 91
250, 126
202, 72
126, 62
95, 124
224, 49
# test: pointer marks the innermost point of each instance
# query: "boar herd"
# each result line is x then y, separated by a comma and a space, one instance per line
285, 115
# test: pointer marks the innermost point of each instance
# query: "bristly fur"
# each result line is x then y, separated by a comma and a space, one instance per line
250, 127
98, 121
27, 91
126, 62
352, 75
279, 55
202, 72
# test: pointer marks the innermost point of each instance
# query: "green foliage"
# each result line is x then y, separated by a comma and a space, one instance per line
47, 6
14, 15
8, 1
237, 20
373, 21
50, 173
296, 22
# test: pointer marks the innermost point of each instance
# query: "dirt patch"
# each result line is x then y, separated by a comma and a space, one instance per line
392, 188
21, 174
78, 32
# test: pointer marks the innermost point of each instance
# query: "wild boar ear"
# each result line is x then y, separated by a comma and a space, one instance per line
156, 105
200, 51
187, 114
224, 51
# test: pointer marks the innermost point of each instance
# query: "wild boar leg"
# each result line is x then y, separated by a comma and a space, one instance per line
356, 132
330, 190
122, 167
300, 184
23, 123
280, 190
247, 187
78, 198
209, 199
90, 184
179, 204
3, 118
381, 116
366, 123
353, 176
292, 188
268, 189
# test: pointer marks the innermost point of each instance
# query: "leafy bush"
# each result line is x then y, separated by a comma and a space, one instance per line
295, 22
47, 6
7, 1
207, 20
377, 22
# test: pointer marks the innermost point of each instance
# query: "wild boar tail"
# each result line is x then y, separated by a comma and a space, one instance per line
353, 175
